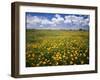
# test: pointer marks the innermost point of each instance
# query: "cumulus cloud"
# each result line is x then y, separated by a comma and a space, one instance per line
33, 19
57, 19
57, 22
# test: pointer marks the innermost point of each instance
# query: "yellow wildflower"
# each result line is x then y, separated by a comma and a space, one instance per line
82, 62
71, 62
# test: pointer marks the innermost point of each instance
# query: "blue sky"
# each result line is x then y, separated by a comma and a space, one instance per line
56, 21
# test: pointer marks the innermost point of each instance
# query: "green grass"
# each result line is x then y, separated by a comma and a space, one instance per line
56, 47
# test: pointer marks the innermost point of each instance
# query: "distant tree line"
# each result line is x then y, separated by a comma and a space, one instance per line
78, 29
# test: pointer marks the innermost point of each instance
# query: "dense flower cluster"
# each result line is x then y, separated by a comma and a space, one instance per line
63, 49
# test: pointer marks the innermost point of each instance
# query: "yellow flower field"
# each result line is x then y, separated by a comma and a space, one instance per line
56, 47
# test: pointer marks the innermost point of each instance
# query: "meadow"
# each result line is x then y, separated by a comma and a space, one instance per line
56, 47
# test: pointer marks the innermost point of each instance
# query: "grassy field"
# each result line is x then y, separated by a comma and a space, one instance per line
56, 47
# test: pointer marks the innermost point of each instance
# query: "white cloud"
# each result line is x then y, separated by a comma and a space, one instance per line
57, 19
45, 21
67, 19
76, 20
56, 22
57, 16
33, 19
73, 18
